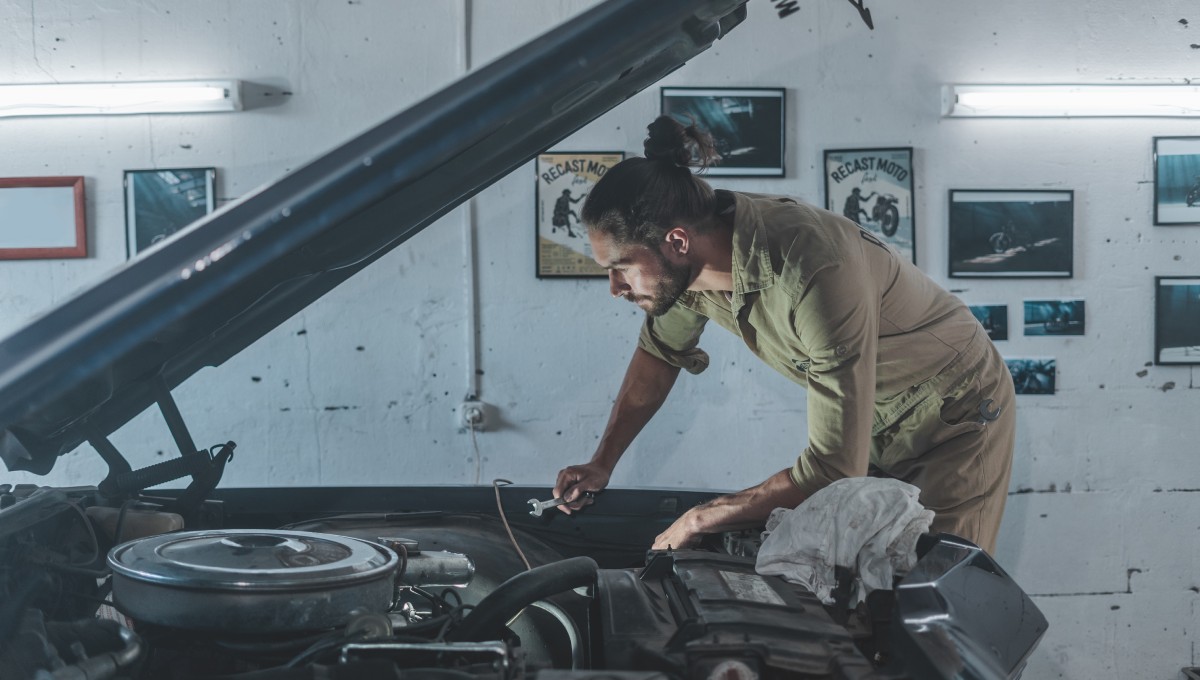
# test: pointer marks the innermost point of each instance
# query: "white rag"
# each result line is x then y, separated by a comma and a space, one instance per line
866, 524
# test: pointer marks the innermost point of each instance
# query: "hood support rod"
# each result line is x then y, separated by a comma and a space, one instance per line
171, 414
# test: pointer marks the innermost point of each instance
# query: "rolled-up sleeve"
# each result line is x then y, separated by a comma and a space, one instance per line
674, 336
837, 318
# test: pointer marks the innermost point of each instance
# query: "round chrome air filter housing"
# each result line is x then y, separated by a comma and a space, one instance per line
251, 581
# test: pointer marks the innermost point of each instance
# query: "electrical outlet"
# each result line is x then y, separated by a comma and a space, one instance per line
472, 415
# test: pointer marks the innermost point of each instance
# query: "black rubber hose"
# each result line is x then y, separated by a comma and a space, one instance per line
486, 621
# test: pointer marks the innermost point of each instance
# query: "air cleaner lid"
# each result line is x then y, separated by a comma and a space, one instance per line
248, 559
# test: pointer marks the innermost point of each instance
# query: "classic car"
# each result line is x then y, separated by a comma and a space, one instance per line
123, 579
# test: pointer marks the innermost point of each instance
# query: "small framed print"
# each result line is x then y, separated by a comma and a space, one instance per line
42, 218
1054, 317
1177, 320
993, 318
1033, 376
563, 182
1176, 180
747, 125
874, 187
159, 203
1011, 233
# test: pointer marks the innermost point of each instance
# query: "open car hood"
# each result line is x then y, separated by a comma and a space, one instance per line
88, 366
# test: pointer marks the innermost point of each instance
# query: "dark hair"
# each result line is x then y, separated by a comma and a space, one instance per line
640, 199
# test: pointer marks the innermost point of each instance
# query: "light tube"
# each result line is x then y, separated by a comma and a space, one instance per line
91, 99
1046, 101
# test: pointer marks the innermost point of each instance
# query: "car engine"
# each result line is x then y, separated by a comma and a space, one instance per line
94, 591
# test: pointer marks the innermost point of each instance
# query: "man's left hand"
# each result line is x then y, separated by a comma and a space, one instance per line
679, 535
742, 510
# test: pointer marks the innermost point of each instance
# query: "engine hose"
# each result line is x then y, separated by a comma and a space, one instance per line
487, 620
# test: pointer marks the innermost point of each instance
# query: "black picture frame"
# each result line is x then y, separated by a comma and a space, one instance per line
1177, 320
1055, 318
562, 182
162, 201
748, 125
1033, 375
1176, 181
1012, 233
883, 176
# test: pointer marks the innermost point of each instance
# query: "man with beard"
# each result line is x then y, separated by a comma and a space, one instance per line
902, 380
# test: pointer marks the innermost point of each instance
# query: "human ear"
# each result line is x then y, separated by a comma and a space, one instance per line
677, 240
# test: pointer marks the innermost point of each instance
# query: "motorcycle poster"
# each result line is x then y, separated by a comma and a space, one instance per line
1177, 320
563, 182
874, 188
1176, 180
993, 318
1012, 233
1055, 317
1033, 375
747, 126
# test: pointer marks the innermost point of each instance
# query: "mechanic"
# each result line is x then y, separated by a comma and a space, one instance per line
902, 380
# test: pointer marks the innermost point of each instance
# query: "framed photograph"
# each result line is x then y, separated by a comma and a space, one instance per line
874, 187
1177, 320
159, 203
1176, 180
42, 218
1054, 317
1032, 376
993, 318
1011, 233
747, 125
563, 182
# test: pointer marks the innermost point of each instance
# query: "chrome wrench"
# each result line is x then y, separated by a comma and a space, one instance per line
538, 507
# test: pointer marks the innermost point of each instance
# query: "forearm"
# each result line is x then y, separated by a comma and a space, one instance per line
648, 381
747, 508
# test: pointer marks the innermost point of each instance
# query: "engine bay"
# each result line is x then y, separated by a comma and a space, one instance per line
94, 591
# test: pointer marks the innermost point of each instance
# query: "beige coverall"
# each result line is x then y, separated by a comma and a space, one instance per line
898, 370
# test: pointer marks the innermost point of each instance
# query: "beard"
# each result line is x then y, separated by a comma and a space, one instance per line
671, 284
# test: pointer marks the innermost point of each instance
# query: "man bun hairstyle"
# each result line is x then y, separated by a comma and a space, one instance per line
671, 143
640, 199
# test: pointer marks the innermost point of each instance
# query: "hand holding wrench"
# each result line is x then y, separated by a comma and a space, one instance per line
538, 507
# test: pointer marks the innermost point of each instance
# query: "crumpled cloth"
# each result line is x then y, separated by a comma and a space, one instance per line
867, 524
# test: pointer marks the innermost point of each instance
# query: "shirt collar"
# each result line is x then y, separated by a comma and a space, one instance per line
752, 270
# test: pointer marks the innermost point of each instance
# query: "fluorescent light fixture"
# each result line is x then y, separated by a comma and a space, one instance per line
91, 99
1046, 101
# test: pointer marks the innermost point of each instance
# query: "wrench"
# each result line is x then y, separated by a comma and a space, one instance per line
538, 507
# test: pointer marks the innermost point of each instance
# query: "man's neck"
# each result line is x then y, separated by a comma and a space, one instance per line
713, 254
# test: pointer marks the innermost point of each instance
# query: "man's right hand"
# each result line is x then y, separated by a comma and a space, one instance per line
574, 481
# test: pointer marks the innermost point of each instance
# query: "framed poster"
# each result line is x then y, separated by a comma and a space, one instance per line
1033, 376
874, 187
1176, 180
563, 182
159, 203
1054, 317
1177, 320
1011, 233
42, 218
747, 125
993, 318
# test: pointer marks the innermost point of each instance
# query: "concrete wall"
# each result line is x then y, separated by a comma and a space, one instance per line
361, 387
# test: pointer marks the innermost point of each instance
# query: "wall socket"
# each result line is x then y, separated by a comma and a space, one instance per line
471, 415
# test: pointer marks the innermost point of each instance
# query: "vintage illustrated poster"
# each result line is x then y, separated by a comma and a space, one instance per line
563, 182
874, 187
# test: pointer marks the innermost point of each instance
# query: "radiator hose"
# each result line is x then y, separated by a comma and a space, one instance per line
487, 620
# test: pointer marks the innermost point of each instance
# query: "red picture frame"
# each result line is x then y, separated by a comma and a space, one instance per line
40, 221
